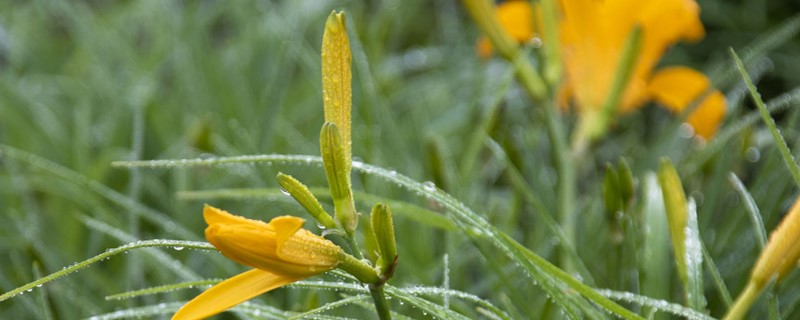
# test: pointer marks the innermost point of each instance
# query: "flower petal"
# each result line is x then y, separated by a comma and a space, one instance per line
218, 216
231, 292
594, 33
285, 227
677, 87
516, 18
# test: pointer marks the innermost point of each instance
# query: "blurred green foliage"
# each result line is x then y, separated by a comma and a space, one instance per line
85, 83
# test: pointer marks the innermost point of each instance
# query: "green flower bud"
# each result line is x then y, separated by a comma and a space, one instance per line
337, 170
302, 195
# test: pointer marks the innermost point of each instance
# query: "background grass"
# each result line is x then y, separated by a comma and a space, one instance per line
83, 84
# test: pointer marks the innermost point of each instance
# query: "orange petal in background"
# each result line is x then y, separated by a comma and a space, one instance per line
677, 87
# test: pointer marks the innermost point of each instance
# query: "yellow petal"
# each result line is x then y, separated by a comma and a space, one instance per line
593, 35
516, 18
677, 87
285, 227
218, 216
231, 292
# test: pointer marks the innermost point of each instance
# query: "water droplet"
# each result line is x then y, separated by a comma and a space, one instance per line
752, 154
178, 248
686, 131
285, 192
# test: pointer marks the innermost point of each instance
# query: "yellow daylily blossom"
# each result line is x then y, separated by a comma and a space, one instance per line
593, 35
280, 251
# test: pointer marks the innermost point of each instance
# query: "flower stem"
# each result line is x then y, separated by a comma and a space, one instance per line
563, 161
380, 302
743, 302
359, 269
356, 250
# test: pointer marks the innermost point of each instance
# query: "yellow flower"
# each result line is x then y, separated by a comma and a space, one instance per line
592, 37
280, 251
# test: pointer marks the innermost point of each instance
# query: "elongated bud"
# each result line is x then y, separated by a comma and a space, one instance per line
383, 227
782, 251
337, 78
677, 215
625, 183
305, 198
334, 160
778, 258
611, 191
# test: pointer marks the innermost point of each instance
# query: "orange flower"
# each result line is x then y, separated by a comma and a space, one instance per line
592, 37
280, 251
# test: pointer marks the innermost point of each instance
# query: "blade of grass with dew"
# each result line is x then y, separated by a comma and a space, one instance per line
654, 257
414, 212
541, 270
751, 208
105, 255
574, 306
657, 304
724, 293
789, 160
45, 305
694, 259
163, 260
427, 307
158, 218
519, 182
330, 306
163, 289
141, 312
436, 291
760, 235
260, 311
413, 291
692, 163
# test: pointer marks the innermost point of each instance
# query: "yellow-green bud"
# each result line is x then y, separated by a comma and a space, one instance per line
383, 227
305, 198
337, 170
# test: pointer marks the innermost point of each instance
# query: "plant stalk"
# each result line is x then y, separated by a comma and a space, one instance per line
743, 302
381, 306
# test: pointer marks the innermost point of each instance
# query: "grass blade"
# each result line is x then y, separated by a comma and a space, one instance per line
105, 255
791, 163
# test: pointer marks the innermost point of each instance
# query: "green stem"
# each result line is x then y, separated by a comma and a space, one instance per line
356, 250
743, 302
564, 164
366, 274
359, 269
380, 302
